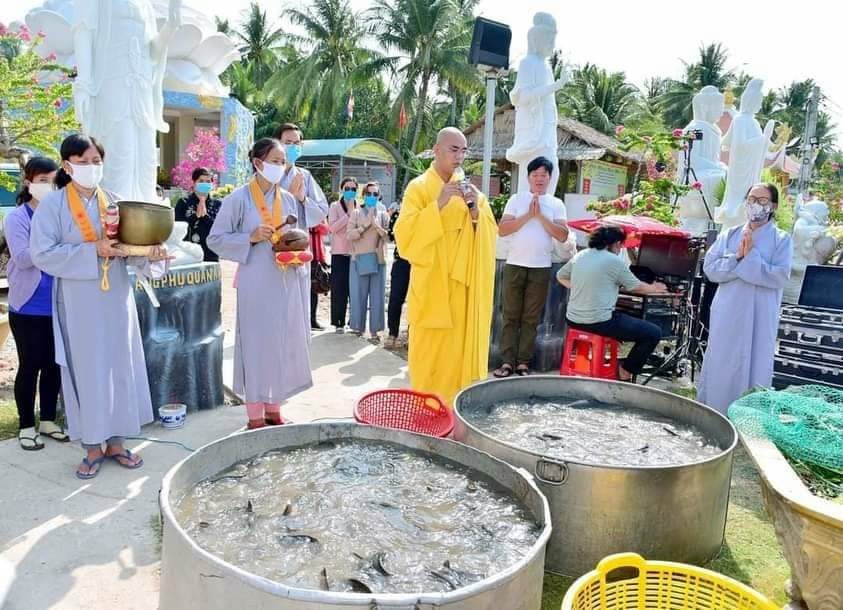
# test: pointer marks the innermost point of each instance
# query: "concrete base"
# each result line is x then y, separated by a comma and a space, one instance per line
94, 544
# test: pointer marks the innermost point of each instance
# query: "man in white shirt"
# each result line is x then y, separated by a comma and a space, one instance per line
533, 219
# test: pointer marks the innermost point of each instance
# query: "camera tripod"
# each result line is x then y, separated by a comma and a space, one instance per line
686, 180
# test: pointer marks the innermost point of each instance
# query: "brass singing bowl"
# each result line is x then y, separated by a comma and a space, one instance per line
145, 224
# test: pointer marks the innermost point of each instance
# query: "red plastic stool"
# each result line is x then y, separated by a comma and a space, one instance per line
589, 355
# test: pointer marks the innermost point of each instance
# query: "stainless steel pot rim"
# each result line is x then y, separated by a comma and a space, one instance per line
399, 600
723, 452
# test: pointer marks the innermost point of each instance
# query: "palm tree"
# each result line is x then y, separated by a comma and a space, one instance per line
320, 81
223, 25
259, 43
428, 45
710, 69
601, 99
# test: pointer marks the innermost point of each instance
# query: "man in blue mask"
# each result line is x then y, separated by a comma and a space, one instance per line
312, 204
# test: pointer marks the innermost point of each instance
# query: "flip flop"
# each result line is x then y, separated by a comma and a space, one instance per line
505, 370
36, 444
126, 455
60, 436
522, 370
90, 464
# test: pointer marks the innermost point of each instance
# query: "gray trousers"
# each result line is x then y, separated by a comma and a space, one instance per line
367, 293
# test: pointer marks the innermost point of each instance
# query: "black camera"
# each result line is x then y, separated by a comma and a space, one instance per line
694, 134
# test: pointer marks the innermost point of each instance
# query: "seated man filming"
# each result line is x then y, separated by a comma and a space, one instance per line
594, 277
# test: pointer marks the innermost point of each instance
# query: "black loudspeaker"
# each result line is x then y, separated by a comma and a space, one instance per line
490, 44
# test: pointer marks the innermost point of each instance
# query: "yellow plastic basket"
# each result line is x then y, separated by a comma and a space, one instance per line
627, 581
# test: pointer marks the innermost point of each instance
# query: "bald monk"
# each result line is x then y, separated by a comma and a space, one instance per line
449, 239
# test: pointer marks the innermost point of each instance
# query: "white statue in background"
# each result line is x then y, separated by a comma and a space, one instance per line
121, 58
747, 146
534, 98
812, 244
708, 107
183, 252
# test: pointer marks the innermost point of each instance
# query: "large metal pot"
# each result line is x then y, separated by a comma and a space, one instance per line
193, 578
672, 513
145, 224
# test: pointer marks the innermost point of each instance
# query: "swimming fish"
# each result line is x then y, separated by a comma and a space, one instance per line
454, 578
249, 507
227, 477
358, 586
376, 561
669, 431
323, 580
288, 508
296, 538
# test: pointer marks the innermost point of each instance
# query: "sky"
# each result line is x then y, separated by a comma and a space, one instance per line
778, 41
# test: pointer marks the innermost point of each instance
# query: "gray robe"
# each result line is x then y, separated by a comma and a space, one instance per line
744, 313
272, 335
98, 343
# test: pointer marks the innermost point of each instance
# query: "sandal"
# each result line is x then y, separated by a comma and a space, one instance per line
254, 424
91, 465
126, 455
522, 370
504, 371
29, 440
54, 432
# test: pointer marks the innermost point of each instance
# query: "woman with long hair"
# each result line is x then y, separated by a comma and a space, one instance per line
95, 323
31, 313
341, 250
272, 340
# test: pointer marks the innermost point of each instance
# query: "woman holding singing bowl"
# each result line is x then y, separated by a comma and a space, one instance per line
272, 342
95, 323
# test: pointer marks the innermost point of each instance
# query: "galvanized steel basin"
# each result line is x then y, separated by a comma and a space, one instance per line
194, 578
672, 513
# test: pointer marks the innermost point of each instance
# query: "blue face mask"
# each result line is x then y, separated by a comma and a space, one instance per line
370, 201
349, 195
293, 153
203, 188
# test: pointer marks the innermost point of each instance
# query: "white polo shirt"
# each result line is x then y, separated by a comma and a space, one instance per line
531, 245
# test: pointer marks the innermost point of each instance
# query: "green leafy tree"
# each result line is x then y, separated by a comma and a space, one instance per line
259, 42
600, 99
34, 101
709, 69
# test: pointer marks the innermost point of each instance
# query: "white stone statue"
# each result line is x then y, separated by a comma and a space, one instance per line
534, 98
183, 252
196, 56
812, 244
748, 147
708, 107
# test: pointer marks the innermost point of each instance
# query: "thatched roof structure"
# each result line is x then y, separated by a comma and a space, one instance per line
577, 141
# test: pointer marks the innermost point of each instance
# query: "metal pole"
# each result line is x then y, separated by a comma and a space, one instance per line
808, 156
489, 129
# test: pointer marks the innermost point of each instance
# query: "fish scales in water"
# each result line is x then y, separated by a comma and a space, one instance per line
368, 516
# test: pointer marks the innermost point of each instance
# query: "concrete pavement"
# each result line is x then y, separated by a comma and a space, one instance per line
94, 544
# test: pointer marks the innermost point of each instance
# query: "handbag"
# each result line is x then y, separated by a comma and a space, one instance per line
367, 264
320, 277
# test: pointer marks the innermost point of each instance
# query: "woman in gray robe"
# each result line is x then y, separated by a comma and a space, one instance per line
751, 265
97, 337
272, 337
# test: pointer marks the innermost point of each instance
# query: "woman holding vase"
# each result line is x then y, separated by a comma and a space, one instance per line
272, 341
95, 323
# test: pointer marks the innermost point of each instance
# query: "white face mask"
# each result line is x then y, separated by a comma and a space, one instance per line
271, 172
39, 190
86, 176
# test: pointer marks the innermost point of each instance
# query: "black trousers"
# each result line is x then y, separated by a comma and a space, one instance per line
314, 305
626, 328
340, 265
36, 358
399, 284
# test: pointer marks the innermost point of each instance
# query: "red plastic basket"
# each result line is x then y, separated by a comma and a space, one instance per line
405, 410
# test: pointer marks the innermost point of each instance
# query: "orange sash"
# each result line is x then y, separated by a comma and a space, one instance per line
86, 227
260, 202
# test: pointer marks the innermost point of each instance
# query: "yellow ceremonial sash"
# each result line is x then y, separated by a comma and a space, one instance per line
86, 227
273, 220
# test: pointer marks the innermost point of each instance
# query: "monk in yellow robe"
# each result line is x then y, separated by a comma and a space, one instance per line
448, 236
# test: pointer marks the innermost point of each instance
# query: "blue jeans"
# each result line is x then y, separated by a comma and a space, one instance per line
367, 293
626, 328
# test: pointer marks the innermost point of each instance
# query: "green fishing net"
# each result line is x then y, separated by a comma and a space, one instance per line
804, 422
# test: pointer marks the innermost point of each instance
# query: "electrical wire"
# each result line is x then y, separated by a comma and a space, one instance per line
158, 440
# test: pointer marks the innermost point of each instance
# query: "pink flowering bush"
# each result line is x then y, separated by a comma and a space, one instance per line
35, 98
205, 150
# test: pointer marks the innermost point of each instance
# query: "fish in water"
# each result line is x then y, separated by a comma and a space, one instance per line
454, 578
550, 436
287, 509
358, 586
644, 449
323, 580
376, 562
204, 524
228, 477
669, 431
249, 507
297, 538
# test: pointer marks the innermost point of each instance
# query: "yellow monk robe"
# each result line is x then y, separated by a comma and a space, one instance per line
451, 286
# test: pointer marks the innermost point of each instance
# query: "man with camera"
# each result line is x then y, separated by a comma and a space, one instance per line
447, 232
534, 218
